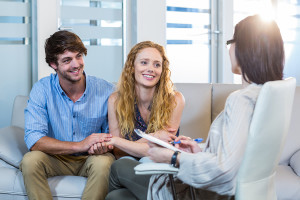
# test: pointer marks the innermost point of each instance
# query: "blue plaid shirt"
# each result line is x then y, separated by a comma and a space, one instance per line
50, 112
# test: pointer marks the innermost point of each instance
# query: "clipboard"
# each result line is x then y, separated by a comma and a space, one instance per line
156, 140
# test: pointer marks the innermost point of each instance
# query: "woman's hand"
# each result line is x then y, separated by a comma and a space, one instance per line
159, 154
113, 141
102, 147
165, 135
187, 144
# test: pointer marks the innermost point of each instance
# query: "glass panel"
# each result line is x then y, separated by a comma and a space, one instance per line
99, 25
15, 51
12, 41
12, 19
288, 18
188, 40
287, 15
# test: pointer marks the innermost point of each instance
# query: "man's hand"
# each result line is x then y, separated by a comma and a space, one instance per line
95, 143
100, 148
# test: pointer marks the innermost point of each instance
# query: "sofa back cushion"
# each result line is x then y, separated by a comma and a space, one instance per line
20, 104
12, 145
220, 92
195, 120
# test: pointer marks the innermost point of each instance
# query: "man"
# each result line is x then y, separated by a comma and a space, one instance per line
66, 123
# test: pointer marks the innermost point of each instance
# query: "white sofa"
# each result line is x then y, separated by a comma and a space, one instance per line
12, 149
203, 103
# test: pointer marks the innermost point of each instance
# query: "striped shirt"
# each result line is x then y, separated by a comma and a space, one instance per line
50, 112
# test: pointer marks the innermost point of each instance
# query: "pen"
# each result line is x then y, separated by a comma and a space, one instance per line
196, 140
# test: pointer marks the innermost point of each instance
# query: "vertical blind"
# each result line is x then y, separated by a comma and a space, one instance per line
188, 40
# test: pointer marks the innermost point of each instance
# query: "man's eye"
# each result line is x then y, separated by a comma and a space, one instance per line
79, 55
66, 61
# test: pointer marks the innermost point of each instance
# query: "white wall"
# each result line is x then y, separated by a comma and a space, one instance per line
151, 21
47, 24
226, 25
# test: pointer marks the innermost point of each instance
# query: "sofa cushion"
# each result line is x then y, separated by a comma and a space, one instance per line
220, 92
287, 183
62, 187
67, 186
12, 145
195, 120
11, 182
295, 162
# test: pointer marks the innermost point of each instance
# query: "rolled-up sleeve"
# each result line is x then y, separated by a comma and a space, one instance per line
36, 120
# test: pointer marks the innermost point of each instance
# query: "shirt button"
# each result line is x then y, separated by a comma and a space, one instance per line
73, 116
74, 133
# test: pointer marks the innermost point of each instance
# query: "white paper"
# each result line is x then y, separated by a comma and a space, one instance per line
156, 140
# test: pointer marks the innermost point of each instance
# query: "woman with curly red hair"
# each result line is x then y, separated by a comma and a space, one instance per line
144, 99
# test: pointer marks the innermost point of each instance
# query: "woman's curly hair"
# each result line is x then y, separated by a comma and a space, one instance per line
163, 101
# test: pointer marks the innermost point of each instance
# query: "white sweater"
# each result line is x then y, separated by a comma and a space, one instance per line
215, 168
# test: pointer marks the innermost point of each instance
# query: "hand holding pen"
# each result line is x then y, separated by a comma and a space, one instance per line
198, 140
187, 144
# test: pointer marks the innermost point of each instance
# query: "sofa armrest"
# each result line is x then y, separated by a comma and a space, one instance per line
12, 145
295, 162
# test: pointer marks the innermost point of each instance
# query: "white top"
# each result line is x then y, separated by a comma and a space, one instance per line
216, 168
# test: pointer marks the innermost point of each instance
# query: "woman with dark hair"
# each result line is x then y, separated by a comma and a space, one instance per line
256, 52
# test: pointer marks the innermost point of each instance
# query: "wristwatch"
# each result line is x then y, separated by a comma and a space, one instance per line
174, 158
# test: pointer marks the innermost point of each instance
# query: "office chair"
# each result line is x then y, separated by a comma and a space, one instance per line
268, 130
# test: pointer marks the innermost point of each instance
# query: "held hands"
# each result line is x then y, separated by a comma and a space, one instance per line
99, 148
95, 144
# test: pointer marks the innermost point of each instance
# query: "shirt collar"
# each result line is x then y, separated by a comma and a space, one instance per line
56, 81
61, 91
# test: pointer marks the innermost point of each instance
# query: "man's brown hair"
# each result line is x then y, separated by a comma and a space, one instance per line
61, 41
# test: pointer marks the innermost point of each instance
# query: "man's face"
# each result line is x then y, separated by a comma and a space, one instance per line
70, 66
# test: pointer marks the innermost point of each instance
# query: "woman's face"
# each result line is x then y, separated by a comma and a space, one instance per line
235, 68
148, 67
